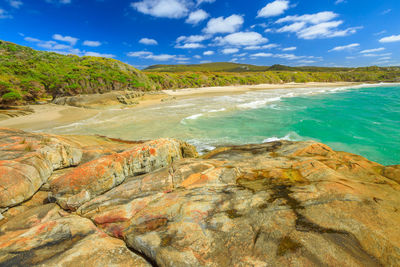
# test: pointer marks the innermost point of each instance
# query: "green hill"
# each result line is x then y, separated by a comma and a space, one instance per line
211, 67
236, 67
27, 75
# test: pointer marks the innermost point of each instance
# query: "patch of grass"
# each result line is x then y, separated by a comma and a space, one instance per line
233, 214
29, 147
286, 245
45, 141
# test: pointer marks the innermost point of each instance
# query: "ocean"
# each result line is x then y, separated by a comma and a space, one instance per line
363, 119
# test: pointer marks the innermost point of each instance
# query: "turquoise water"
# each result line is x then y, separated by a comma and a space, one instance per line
361, 120
364, 121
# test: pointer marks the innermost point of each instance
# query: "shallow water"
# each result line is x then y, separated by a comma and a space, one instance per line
363, 119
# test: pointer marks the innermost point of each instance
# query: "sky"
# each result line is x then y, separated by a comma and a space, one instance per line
260, 32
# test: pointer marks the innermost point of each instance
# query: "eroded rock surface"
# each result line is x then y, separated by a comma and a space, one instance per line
98, 176
276, 204
124, 203
49, 236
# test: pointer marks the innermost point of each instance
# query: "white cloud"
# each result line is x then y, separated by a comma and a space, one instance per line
372, 50
199, 2
33, 40
377, 55
95, 54
326, 30
4, 14
92, 43
288, 56
305, 61
53, 46
139, 54
190, 46
68, 39
380, 33
294, 27
197, 56
227, 51
148, 41
262, 55
241, 39
221, 25
387, 11
197, 16
259, 47
310, 18
15, 3
345, 47
273, 9
49, 45
282, 56
312, 26
192, 39
173, 9
289, 48
161, 57
208, 53
390, 39
340, 1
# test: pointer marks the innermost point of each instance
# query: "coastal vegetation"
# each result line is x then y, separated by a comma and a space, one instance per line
28, 75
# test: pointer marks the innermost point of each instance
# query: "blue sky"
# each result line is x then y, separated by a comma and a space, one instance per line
147, 32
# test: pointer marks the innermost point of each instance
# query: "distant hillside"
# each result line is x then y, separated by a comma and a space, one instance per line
211, 67
27, 75
222, 74
236, 67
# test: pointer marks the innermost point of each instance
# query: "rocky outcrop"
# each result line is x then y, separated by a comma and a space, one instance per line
138, 203
49, 236
104, 100
276, 204
98, 176
28, 160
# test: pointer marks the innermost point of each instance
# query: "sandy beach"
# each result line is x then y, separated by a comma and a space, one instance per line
51, 115
47, 116
238, 89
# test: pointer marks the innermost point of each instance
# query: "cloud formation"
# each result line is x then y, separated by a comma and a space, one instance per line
390, 39
273, 9
345, 47
197, 16
173, 9
224, 25
148, 41
313, 26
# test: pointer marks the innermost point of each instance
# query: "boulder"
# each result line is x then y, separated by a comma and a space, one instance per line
49, 236
27, 160
276, 204
98, 176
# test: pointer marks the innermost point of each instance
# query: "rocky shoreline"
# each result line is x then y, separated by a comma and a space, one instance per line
94, 201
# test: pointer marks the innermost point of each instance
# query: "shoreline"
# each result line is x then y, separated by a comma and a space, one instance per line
238, 89
52, 115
